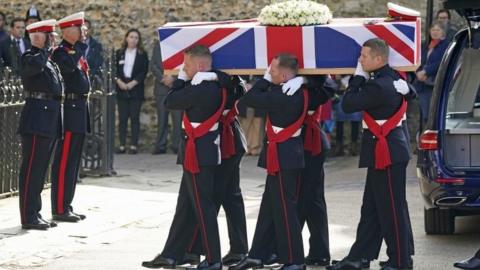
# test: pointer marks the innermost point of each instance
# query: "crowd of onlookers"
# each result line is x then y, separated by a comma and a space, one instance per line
132, 65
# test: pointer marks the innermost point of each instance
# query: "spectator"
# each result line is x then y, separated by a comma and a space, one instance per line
444, 16
340, 118
132, 68
94, 55
32, 16
426, 73
3, 22
162, 84
15, 44
253, 124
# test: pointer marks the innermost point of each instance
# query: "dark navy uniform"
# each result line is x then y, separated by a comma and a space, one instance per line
384, 205
196, 196
278, 216
66, 164
311, 199
40, 127
227, 177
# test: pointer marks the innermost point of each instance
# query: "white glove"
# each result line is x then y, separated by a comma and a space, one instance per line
182, 75
401, 86
204, 76
291, 86
360, 72
267, 75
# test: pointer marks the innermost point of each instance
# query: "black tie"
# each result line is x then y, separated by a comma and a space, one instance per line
18, 47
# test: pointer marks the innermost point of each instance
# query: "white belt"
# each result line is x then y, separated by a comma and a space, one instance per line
225, 112
311, 112
194, 125
278, 129
381, 122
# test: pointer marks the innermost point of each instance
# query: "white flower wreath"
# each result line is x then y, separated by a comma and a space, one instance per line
295, 12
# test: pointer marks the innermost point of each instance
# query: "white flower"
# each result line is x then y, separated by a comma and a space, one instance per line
295, 12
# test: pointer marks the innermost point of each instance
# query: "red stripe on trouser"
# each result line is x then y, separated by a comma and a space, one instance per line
27, 180
62, 171
208, 40
202, 222
276, 42
194, 239
285, 215
395, 221
393, 41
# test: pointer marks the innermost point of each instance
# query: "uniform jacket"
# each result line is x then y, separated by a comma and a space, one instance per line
198, 102
39, 74
283, 111
67, 57
380, 99
139, 72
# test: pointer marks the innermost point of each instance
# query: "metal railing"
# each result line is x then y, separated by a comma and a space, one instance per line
11, 104
97, 157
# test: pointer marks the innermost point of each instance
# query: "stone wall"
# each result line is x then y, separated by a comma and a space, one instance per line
112, 18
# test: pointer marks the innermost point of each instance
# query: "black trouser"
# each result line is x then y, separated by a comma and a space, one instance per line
229, 195
355, 129
312, 206
384, 209
65, 170
36, 153
195, 199
162, 125
278, 220
129, 109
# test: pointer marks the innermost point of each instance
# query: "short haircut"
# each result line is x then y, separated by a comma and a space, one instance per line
287, 60
444, 11
378, 47
12, 23
199, 51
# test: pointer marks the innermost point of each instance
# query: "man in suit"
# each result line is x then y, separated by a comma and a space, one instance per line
66, 164
283, 157
40, 122
385, 152
162, 84
199, 152
16, 44
93, 53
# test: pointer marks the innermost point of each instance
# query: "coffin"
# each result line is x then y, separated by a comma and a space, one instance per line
246, 47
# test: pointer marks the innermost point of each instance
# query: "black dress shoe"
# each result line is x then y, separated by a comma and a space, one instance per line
365, 263
387, 267
204, 265
345, 264
386, 263
81, 216
52, 224
232, 258
66, 217
292, 267
189, 258
472, 263
309, 260
272, 261
247, 263
160, 262
121, 150
37, 224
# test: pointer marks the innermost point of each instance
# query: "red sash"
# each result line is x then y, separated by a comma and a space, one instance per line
312, 141
191, 162
273, 165
227, 137
382, 152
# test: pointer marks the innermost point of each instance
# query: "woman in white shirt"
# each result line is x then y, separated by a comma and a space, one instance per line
132, 68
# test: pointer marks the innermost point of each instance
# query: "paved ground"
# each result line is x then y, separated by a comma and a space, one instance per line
129, 216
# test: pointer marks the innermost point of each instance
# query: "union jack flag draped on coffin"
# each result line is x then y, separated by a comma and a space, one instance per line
246, 45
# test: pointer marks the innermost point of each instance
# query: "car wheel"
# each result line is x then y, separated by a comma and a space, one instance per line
439, 221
